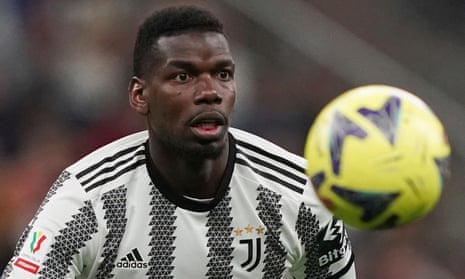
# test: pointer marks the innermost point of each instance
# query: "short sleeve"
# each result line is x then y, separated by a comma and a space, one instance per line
327, 249
50, 246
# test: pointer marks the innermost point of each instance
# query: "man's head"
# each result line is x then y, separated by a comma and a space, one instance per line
184, 83
168, 22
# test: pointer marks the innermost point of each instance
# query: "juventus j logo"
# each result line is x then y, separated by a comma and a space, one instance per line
251, 253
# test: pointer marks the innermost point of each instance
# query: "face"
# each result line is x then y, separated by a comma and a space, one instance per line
189, 96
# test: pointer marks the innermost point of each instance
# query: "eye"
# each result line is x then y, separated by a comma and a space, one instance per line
225, 75
182, 77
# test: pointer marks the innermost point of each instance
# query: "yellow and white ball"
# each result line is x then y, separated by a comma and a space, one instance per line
377, 157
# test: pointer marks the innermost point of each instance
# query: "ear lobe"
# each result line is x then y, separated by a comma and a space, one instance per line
137, 97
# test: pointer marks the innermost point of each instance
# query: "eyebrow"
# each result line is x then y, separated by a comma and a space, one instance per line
189, 66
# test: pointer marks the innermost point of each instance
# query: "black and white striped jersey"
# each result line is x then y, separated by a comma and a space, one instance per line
112, 215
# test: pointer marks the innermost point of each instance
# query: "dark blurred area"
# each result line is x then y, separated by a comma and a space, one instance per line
65, 67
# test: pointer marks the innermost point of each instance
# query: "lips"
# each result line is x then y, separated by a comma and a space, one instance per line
207, 123
207, 119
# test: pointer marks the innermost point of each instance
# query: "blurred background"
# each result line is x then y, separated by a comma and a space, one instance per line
65, 66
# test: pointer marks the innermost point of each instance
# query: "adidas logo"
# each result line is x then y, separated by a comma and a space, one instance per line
132, 260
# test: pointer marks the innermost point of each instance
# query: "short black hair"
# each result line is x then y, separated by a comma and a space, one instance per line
169, 21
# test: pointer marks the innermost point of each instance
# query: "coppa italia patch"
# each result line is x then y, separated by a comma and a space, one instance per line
37, 239
27, 265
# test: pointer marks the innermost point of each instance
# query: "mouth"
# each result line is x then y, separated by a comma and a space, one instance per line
208, 124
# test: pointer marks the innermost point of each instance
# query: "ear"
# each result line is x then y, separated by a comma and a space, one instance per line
138, 98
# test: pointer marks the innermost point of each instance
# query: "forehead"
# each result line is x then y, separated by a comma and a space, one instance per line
194, 46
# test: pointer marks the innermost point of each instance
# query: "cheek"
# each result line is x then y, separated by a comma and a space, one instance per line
167, 108
230, 99
232, 102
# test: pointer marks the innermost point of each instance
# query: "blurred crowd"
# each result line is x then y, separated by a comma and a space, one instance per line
64, 70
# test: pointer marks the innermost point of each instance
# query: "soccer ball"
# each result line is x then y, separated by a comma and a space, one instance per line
377, 157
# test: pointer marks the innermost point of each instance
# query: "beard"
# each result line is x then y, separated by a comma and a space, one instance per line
194, 151
200, 152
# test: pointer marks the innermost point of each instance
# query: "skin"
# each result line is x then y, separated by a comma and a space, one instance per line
187, 100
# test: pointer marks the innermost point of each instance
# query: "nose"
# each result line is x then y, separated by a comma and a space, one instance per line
208, 96
206, 92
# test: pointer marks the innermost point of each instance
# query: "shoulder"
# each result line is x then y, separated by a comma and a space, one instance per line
274, 167
278, 171
110, 161
249, 142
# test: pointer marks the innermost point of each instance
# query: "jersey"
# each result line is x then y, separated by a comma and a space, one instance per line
112, 215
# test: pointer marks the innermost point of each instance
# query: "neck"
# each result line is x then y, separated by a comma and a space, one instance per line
198, 178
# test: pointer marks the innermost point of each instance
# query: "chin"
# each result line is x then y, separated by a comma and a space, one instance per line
208, 151
195, 149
